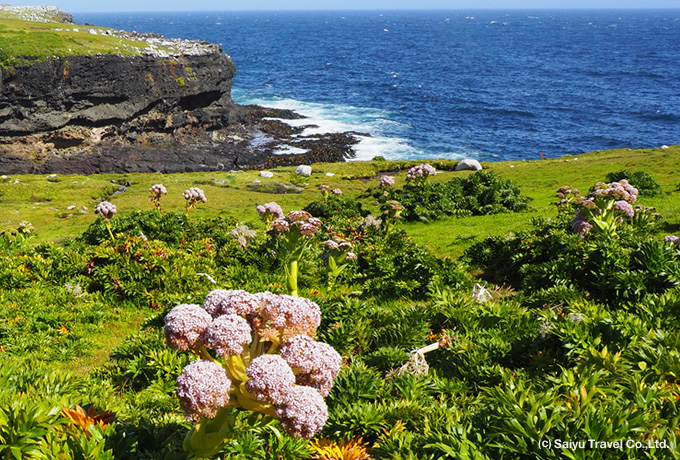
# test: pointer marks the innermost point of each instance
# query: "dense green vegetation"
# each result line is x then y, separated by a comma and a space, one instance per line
545, 335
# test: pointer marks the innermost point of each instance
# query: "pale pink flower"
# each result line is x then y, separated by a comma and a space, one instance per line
270, 378
184, 326
202, 388
227, 335
303, 412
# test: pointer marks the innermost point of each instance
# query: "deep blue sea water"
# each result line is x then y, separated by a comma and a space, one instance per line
492, 85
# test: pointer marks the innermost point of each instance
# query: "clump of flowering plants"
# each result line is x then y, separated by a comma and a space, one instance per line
155, 193
338, 253
193, 196
256, 353
604, 208
293, 231
269, 212
419, 174
106, 211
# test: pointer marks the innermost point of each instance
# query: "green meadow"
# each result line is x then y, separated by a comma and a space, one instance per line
474, 323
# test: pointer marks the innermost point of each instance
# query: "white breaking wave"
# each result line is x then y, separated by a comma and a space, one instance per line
384, 136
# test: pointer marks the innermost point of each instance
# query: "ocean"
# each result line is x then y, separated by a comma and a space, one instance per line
489, 85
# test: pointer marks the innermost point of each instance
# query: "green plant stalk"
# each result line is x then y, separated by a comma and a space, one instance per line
292, 277
108, 227
334, 270
209, 436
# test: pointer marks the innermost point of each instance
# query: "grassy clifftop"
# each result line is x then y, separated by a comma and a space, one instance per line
22, 40
30, 34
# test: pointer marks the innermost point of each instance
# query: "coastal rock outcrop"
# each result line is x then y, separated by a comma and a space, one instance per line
166, 107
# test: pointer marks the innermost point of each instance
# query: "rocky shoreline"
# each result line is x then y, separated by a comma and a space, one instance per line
168, 109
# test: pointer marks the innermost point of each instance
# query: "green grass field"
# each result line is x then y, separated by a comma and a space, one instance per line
235, 194
576, 337
24, 41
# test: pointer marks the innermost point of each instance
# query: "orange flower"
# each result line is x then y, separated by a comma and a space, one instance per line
82, 420
349, 449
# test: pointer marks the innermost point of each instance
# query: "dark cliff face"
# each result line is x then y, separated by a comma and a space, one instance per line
110, 113
109, 89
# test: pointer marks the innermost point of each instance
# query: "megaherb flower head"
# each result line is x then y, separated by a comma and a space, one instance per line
243, 235
202, 389
604, 208
318, 363
624, 207
270, 378
185, 326
419, 174
193, 196
106, 211
256, 353
386, 181
303, 412
155, 193
222, 302
567, 195
269, 212
227, 335
336, 191
392, 210
672, 239
337, 254
293, 231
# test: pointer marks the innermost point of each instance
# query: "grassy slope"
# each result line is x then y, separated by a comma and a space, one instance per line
40, 40
44, 203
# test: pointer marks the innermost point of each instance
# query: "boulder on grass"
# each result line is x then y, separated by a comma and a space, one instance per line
468, 165
304, 170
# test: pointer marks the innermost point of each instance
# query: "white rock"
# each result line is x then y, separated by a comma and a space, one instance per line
468, 165
257, 181
330, 174
266, 174
664, 147
304, 170
71, 207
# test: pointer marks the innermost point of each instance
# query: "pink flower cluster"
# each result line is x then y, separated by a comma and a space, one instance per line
608, 203
340, 247
300, 222
202, 388
419, 173
672, 239
158, 190
618, 191
336, 191
270, 358
106, 210
580, 225
566, 194
387, 181
269, 211
194, 195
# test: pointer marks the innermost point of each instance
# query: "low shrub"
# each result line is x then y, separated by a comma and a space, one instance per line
480, 193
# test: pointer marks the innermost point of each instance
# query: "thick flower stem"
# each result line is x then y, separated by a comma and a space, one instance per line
208, 436
292, 277
108, 227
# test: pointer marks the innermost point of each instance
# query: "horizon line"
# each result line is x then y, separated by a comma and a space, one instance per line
298, 10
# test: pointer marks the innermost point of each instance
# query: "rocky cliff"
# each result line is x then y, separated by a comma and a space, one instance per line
168, 108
